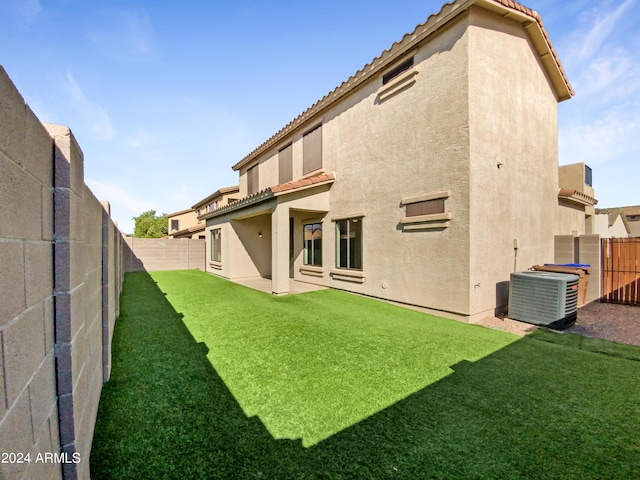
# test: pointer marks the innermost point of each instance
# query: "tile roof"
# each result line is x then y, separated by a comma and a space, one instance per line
187, 231
303, 182
410, 40
271, 192
181, 212
217, 193
576, 196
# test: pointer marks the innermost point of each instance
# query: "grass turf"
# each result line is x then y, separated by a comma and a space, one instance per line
210, 378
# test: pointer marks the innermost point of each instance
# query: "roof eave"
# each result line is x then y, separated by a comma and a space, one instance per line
529, 18
215, 194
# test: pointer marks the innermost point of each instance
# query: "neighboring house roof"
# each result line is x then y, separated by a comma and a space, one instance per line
181, 212
633, 210
576, 197
271, 192
188, 231
529, 18
621, 212
217, 193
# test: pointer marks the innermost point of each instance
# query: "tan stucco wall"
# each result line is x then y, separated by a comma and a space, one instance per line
480, 121
513, 174
244, 252
573, 177
412, 143
617, 230
185, 220
634, 228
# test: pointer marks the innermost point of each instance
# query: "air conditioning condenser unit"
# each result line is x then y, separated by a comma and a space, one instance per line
544, 298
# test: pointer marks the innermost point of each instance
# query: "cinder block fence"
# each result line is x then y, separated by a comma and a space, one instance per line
61, 270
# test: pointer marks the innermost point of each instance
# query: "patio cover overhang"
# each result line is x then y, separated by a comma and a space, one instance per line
281, 202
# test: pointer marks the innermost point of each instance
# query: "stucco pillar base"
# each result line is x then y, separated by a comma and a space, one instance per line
280, 250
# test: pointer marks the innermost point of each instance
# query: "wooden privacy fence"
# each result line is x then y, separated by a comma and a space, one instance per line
621, 270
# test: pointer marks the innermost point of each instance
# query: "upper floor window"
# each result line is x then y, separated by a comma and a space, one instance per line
587, 176
252, 180
349, 239
394, 72
175, 225
312, 150
285, 164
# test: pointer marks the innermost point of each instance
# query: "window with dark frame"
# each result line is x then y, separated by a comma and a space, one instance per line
394, 72
312, 244
312, 150
349, 244
285, 164
216, 245
588, 176
427, 207
252, 180
175, 225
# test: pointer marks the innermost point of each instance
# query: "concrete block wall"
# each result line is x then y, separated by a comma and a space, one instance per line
164, 254
60, 279
28, 400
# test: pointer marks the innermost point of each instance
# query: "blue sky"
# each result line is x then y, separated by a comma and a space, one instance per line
164, 96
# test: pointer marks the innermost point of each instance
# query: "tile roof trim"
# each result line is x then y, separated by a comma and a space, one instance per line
191, 230
272, 192
303, 183
217, 193
433, 23
181, 212
253, 199
576, 197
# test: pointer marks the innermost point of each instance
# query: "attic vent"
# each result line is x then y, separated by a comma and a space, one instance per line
544, 298
403, 67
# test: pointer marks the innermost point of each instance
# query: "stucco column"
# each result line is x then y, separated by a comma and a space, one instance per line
280, 250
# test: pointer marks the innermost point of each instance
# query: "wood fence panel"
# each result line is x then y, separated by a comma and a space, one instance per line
621, 270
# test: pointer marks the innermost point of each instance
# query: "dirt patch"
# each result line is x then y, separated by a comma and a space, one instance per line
507, 325
618, 323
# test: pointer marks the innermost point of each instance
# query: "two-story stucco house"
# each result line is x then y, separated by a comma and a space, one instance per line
425, 178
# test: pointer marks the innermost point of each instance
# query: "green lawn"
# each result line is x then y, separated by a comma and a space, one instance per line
213, 380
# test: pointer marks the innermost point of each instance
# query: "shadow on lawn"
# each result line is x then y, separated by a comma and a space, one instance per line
542, 407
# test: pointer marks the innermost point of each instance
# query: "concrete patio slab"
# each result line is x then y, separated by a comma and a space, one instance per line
264, 285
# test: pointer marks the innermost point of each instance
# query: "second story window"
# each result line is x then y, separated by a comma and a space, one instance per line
252, 180
285, 165
312, 150
175, 225
588, 176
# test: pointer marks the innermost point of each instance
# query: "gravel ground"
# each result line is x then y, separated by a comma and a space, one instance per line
618, 323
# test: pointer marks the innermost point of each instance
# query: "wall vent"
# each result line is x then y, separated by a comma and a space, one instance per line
544, 298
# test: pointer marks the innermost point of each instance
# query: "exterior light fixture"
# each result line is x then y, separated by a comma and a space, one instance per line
260, 234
